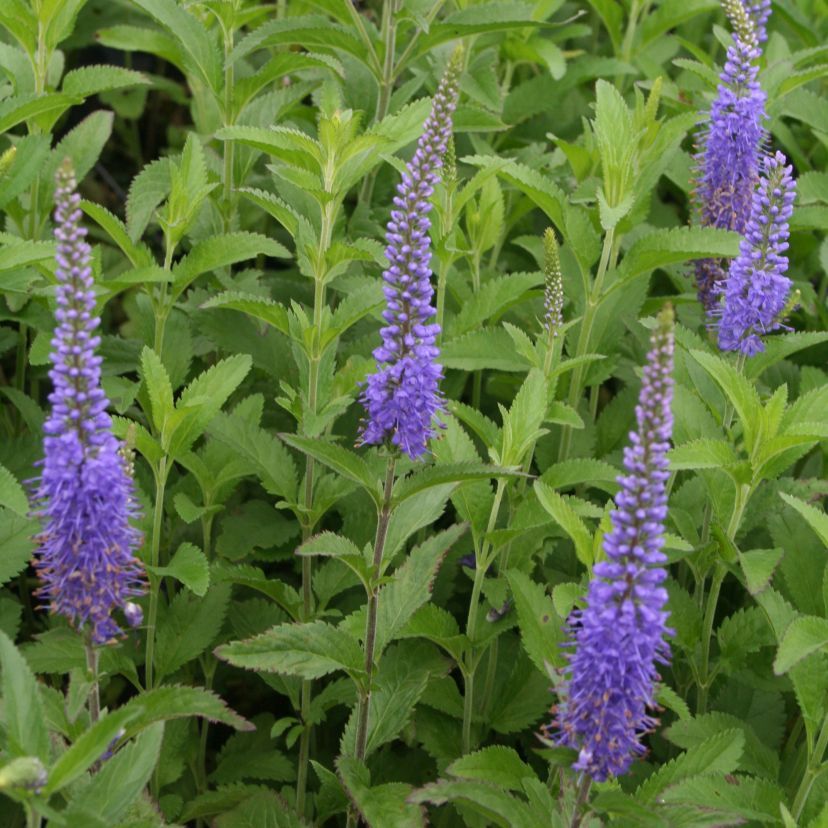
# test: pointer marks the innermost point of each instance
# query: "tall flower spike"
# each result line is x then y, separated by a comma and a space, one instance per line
86, 559
553, 295
402, 397
728, 164
619, 637
756, 290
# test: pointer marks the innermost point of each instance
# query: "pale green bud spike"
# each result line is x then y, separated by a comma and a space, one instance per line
553, 283
741, 21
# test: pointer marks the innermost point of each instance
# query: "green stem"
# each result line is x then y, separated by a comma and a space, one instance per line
373, 604
155, 581
94, 690
33, 818
580, 801
319, 301
811, 772
592, 301
229, 146
481, 568
163, 311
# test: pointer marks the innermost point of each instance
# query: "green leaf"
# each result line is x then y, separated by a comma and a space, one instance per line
676, 246
410, 586
266, 310
570, 473
815, 518
719, 754
490, 348
176, 702
90, 80
805, 635
31, 153
739, 390
703, 454
88, 749
15, 110
159, 388
447, 473
201, 400
17, 542
148, 189
496, 806
568, 520
306, 650
189, 566
758, 566
264, 809
222, 251
188, 627
387, 804
497, 764
23, 715
119, 781
343, 461
138, 255
12, 495
541, 629
201, 55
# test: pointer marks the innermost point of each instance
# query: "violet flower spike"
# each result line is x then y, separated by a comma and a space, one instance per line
756, 290
728, 163
402, 397
759, 11
618, 639
85, 560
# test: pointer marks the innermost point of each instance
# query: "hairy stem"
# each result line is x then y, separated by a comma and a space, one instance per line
373, 605
580, 801
811, 772
94, 690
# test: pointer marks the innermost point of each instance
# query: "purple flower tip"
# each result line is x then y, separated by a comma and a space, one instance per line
402, 397
756, 289
85, 559
619, 637
728, 163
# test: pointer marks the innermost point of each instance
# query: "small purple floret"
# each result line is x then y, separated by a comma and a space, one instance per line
619, 637
403, 397
86, 558
756, 290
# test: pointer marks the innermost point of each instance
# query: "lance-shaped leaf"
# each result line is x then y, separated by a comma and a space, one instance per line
447, 473
805, 635
306, 650
566, 517
266, 310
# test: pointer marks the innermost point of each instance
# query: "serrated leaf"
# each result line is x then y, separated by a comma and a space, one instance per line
703, 454
386, 804
806, 634
674, 246
119, 781
815, 518
307, 650
266, 310
90, 80
490, 348
159, 388
188, 627
148, 189
569, 473
447, 473
497, 764
758, 566
189, 566
341, 460
222, 251
12, 495
16, 541
410, 586
717, 755
138, 255
541, 629
495, 805
176, 702
25, 727
568, 520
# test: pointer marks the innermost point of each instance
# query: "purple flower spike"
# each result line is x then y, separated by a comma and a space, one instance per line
619, 637
728, 163
756, 290
86, 559
402, 397
759, 12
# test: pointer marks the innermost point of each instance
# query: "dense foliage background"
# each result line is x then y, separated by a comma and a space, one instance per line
237, 162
